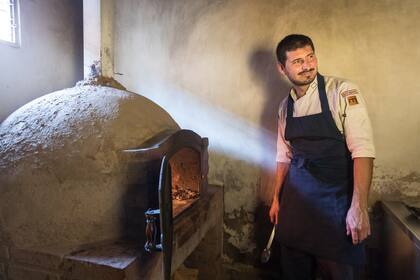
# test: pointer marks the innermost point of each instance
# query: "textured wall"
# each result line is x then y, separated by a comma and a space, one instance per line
50, 56
210, 64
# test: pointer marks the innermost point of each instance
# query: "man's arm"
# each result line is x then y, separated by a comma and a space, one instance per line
357, 221
359, 138
281, 172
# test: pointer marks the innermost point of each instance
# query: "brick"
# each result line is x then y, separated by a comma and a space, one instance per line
2, 269
19, 273
74, 269
32, 257
4, 252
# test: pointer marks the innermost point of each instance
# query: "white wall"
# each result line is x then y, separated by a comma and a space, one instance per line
50, 56
211, 65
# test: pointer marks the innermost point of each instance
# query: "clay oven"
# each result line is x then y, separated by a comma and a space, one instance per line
80, 167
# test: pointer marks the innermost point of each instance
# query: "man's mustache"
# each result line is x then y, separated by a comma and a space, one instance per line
306, 71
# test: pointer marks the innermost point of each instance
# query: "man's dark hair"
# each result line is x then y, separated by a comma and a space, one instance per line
290, 43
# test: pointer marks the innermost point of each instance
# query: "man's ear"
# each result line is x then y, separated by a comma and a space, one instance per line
280, 68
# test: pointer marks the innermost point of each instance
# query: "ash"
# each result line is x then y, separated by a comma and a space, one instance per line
183, 193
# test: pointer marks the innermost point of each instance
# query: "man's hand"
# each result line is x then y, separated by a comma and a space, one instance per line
357, 223
357, 220
274, 211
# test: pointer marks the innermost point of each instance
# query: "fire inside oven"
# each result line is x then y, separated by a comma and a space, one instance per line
186, 176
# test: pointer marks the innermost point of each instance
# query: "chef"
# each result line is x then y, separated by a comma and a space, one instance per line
325, 155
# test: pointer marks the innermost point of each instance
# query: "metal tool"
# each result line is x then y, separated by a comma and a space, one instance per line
151, 231
266, 253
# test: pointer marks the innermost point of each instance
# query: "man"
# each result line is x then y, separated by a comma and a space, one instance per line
324, 167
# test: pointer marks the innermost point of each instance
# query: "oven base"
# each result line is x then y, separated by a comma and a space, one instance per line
197, 236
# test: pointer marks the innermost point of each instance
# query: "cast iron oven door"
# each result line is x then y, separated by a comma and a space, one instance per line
164, 148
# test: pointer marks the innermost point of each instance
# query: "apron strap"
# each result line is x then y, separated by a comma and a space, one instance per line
322, 94
290, 107
325, 106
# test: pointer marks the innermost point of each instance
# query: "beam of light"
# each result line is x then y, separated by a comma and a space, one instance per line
228, 134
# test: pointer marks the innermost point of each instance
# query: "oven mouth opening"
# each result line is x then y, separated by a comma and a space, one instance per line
185, 170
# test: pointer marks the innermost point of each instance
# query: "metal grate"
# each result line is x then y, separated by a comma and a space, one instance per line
9, 22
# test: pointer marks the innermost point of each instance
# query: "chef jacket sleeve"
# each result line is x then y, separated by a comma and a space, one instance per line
283, 146
356, 122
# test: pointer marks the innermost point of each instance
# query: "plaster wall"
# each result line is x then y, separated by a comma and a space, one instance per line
211, 65
50, 56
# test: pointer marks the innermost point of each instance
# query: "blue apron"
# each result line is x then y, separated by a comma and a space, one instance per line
318, 188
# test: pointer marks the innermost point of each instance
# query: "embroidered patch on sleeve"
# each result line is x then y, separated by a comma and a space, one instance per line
352, 100
349, 92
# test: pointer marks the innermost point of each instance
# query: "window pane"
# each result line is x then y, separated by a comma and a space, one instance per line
6, 21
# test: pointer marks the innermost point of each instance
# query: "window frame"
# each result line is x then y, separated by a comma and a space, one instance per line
15, 25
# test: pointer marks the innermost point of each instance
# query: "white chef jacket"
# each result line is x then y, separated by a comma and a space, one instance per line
348, 109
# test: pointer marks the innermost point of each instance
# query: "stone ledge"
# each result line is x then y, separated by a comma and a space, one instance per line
76, 269
37, 258
17, 272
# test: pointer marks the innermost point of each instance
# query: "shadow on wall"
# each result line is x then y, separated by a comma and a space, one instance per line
247, 197
264, 65
243, 228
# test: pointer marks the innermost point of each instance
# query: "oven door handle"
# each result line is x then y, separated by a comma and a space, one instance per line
151, 244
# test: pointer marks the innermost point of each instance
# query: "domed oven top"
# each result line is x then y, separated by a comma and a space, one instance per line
61, 172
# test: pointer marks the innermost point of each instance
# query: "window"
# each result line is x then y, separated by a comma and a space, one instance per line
9, 22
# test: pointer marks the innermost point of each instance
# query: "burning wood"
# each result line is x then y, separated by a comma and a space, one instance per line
183, 193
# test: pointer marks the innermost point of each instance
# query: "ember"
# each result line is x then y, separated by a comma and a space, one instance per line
183, 193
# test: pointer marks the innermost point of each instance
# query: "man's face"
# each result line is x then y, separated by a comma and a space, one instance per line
301, 66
